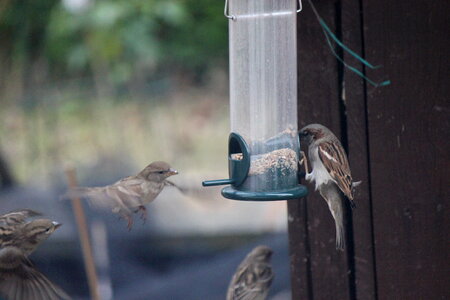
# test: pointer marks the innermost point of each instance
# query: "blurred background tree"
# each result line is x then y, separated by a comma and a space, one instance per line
119, 44
66, 64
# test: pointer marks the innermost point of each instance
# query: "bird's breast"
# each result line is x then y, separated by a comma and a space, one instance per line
151, 190
319, 173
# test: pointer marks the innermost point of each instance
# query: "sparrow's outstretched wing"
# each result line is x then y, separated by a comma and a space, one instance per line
20, 280
118, 197
127, 192
182, 190
335, 161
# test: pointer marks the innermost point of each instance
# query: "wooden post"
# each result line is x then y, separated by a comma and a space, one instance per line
363, 281
409, 134
324, 272
88, 257
397, 140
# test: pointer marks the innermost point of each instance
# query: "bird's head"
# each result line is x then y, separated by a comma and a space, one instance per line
37, 231
261, 253
313, 132
260, 263
158, 171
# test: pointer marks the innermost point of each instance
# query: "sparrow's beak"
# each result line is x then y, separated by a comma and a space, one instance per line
56, 224
172, 172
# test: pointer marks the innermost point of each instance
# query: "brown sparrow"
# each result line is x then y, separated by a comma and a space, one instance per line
330, 171
129, 195
253, 277
19, 279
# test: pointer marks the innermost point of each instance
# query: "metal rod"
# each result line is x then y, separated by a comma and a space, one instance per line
217, 182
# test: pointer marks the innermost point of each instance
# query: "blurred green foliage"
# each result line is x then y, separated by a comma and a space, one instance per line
120, 39
91, 81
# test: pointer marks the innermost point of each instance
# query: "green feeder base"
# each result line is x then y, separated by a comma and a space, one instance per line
287, 194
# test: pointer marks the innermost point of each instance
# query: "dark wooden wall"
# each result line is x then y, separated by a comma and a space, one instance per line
398, 141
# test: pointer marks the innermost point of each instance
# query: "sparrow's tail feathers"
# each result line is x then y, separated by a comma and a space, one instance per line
335, 203
338, 214
340, 236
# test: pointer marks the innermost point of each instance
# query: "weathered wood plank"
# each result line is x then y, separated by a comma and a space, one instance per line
354, 101
409, 146
299, 250
319, 103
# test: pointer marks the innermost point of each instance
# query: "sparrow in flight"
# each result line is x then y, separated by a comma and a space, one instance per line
129, 195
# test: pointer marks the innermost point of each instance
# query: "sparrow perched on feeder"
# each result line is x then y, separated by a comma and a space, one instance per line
330, 171
129, 195
19, 279
253, 277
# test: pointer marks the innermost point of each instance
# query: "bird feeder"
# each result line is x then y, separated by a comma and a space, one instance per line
263, 149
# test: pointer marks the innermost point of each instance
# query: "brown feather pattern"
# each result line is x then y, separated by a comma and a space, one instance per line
253, 277
334, 159
19, 279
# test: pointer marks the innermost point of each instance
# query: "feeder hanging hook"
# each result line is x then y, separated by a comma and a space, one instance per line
300, 7
225, 12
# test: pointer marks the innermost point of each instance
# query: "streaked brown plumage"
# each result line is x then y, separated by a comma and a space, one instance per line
129, 195
19, 279
331, 173
253, 277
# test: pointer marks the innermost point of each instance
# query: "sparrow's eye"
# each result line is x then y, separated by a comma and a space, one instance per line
47, 230
303, 133
161, 172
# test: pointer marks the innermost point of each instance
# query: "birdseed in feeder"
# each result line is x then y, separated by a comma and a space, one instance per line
237, 156
284, 160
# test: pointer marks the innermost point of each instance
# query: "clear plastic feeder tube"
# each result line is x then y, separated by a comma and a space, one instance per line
263, 90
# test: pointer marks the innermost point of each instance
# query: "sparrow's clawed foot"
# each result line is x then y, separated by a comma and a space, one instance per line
143, 212
129, 220
304, 161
